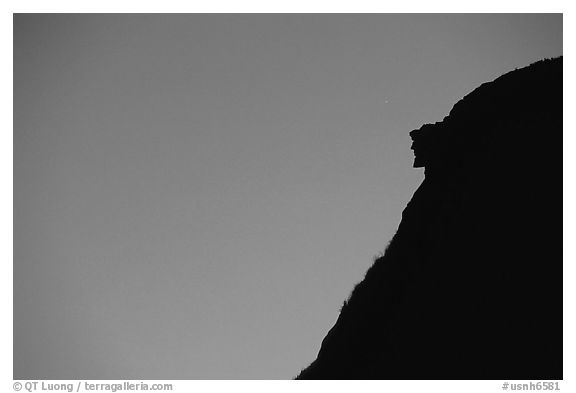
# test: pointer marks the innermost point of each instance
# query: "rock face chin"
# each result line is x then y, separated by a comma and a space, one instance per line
470, 287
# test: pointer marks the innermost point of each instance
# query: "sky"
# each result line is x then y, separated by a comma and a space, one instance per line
196, 195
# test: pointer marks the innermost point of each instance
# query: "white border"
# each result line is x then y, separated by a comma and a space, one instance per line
108, 6
293, 6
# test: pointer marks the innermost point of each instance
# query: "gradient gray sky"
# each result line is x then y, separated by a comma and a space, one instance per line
196, 195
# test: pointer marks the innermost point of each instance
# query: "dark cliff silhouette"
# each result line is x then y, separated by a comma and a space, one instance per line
470, 287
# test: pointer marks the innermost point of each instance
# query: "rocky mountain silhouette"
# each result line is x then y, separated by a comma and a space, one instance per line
470, 286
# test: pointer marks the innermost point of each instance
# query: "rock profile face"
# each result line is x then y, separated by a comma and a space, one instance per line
470, 287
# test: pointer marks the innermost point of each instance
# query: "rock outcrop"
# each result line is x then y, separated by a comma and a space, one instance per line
470, 287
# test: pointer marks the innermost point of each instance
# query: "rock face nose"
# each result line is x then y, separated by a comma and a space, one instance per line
470, 286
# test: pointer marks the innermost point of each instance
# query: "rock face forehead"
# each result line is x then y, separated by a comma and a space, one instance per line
423, 131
